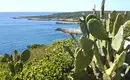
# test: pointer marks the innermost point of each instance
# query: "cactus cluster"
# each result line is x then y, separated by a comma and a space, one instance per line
102, 45
16, 63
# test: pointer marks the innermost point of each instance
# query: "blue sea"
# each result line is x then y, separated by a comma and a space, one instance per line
18, 33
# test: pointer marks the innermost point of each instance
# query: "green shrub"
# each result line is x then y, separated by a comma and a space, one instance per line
52, 62
35, 46
55, 65
37, 53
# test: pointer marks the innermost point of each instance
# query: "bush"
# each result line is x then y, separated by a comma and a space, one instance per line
37, 51
35, 46
56, 64
52, 62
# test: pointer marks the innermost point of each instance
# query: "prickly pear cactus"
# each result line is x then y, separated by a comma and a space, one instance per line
25, 55
117, 24
97, 29
11, 68
90, 16
126, 15
15, 52
83, 76
86, 44
119, 60
83, 27
118, 39
15, 55
84, 55
103, 50
79, 60
18, 66
126, 29
110, 25
113, 15
97, 57
111, 20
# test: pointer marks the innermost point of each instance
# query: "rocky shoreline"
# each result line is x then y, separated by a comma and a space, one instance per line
59, 21
66, 22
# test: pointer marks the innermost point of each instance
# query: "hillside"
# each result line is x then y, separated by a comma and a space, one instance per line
74, 16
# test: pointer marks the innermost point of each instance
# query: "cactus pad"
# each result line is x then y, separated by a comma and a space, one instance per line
117, 24
11, 67
82, 61
97, 29
113, 15
90, 16
126, 29
18, 66
86, 44
117, 40
117, 63
111, 20
25, 55
84, 28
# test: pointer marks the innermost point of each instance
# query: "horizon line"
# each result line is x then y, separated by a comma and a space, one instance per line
62, 11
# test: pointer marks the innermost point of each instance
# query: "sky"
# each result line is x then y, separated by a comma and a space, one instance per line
60, 5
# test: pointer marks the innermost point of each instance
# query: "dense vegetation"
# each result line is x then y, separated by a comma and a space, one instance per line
51, 62
101, 55
75, 15
66, 15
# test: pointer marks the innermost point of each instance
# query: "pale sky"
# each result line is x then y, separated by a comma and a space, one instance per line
60, 5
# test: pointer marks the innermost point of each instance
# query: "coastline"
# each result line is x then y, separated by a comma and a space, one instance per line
40, 18
67, 22
62, 18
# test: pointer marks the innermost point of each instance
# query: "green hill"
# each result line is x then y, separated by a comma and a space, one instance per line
63, 16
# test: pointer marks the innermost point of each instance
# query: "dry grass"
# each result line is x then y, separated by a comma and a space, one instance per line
37, 53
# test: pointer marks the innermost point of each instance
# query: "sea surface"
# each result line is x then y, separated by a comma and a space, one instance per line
18, 33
